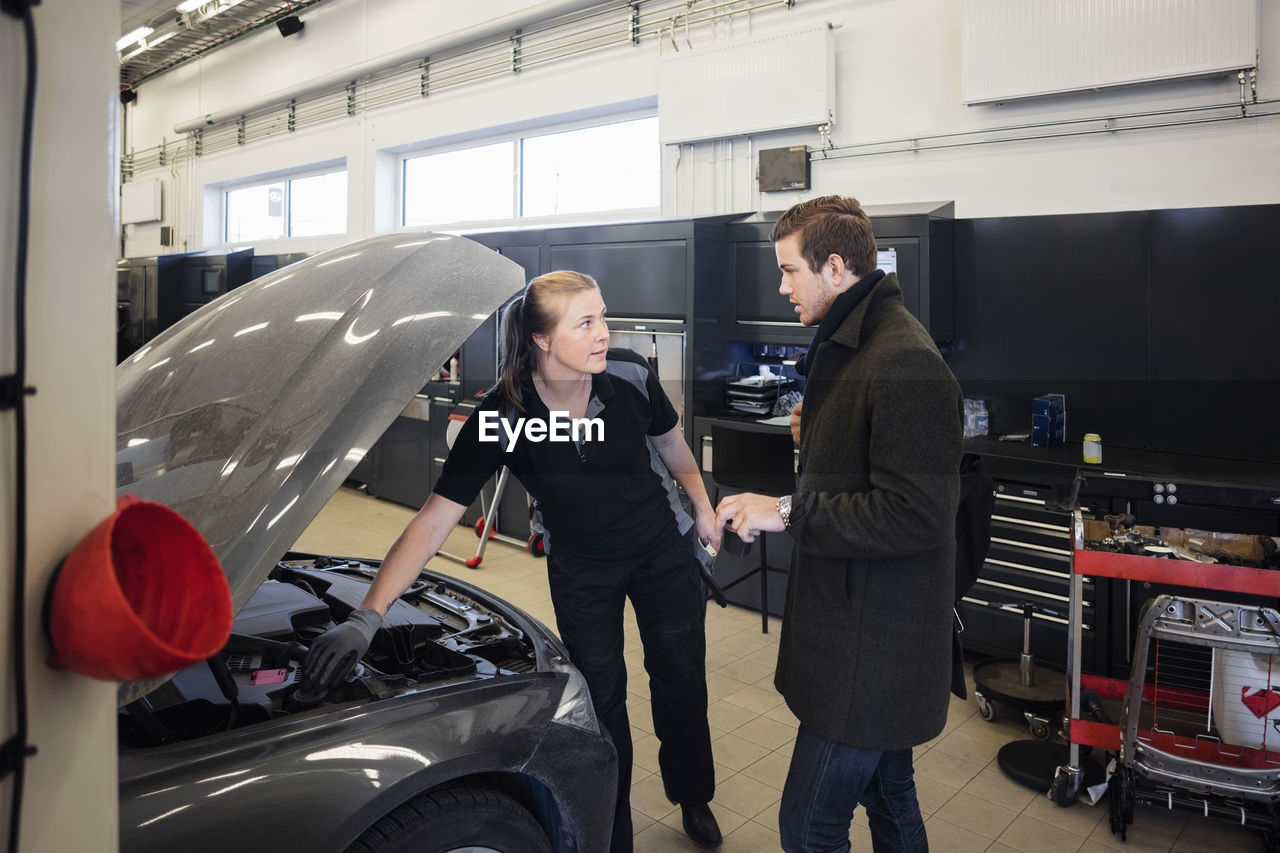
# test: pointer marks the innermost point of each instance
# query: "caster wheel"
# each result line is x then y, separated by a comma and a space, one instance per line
1120, 801
1040, 730
535, 546
480, 529
985, 709
1062, 792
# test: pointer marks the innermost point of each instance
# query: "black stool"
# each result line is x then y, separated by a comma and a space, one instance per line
753, 460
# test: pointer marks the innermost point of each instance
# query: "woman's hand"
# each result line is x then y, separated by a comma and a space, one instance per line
705, 521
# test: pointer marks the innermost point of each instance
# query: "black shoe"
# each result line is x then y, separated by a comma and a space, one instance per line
700, 825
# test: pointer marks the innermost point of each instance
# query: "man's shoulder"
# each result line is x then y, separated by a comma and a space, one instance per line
899, 329
900, 347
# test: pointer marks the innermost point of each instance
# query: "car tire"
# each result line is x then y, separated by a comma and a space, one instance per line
470, 818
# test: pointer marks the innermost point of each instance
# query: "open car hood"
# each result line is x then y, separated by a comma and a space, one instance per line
247, 415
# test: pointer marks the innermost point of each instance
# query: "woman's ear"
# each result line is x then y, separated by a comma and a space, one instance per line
542, 341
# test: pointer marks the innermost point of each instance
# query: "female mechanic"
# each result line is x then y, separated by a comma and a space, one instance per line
613, 529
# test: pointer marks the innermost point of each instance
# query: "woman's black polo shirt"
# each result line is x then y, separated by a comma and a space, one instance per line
599, 499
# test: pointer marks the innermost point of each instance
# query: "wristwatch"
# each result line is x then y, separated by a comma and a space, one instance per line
784, 510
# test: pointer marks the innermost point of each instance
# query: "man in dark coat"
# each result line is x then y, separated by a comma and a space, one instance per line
864, 660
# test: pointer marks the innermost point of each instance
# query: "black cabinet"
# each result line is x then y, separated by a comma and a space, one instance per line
153, 293
187, 282
403, 472
915, 241
137, 318
1055, 304
478, 360
1215, 374
640, 279
1156, 325
399, 467
663, 283
260, 265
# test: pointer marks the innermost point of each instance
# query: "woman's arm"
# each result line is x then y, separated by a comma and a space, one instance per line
421, 539
676, 455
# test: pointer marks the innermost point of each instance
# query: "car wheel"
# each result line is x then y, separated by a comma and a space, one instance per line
463, 819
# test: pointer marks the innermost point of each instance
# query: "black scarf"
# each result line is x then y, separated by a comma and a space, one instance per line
840, 309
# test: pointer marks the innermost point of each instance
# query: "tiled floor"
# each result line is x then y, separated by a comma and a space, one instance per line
968, 802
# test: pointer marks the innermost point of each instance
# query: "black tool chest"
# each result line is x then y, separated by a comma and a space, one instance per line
1030, 555
1029, 560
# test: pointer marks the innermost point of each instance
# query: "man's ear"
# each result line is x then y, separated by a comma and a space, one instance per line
838, 267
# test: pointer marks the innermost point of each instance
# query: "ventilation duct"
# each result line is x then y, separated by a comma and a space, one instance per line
534, 14
1019, 49
717, 91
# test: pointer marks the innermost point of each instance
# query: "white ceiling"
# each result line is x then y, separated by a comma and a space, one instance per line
138, 13
193, 35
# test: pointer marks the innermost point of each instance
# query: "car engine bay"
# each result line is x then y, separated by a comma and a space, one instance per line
437, 633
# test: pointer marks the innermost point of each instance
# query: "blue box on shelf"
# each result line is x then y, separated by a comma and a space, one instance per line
1048, 420
1047, 431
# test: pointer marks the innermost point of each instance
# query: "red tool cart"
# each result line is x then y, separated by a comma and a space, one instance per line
1200, 726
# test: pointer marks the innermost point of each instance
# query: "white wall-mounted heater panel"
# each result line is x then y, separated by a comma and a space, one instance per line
140, 201
1024, 48
752, 85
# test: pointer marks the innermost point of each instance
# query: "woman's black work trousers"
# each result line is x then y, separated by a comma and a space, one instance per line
670, 607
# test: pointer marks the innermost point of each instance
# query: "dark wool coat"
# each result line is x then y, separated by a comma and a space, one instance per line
865, 653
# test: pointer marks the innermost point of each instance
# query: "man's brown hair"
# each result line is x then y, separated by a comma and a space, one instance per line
830, 225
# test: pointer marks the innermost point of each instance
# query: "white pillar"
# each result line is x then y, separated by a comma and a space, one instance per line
69, 800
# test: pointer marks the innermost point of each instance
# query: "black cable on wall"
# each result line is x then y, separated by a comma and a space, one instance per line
13, 394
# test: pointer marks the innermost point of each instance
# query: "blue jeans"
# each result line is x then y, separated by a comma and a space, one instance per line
828, 780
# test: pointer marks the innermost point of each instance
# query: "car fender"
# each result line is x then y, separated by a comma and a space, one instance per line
316, 781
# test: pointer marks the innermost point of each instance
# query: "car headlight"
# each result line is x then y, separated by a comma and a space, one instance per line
575, 708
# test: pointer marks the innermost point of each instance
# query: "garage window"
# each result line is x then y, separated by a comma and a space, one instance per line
296, 206
597, 168
608, 167
469, 184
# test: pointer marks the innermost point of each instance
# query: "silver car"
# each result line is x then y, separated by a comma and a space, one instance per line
465, 727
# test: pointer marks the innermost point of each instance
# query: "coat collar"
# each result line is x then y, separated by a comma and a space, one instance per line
849, 333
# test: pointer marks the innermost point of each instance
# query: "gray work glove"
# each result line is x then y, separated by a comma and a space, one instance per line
334, 654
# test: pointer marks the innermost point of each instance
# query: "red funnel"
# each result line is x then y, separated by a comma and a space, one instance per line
140, 597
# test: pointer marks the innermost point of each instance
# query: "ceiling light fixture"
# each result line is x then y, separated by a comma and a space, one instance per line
190, 5
137, 35
216, 8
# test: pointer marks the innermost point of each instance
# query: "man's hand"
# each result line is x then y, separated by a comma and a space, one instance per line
334, 654
795, 423
748, 514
